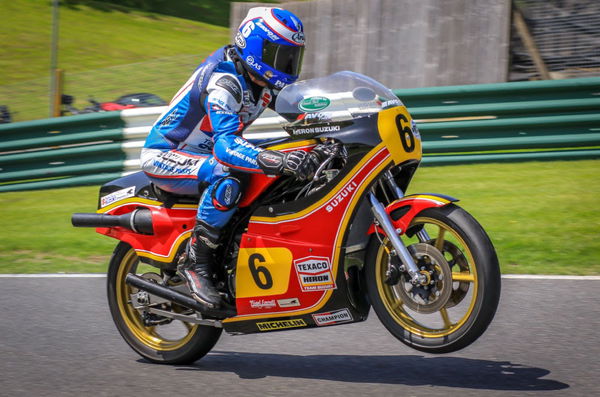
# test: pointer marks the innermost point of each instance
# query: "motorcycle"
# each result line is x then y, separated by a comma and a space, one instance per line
304, 254
129, 101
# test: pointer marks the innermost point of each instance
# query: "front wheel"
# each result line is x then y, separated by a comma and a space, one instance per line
458, 300
158, 339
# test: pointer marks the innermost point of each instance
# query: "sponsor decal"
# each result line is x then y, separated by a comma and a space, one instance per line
279, 84
314, 273
316, 130
298, 38
391, 103
262, 304
218, 101
206, 145
241, 156
243, 142
239, 40
415, 129
268, 31
268, 74
333, 317
231, 86
116, 196
341, 196
250, 61
309, 117
281, 324
291, 302
313, 103
228, 194
169, 119
177, 159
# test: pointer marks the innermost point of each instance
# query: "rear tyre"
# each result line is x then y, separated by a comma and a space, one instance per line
172, 342
458, 301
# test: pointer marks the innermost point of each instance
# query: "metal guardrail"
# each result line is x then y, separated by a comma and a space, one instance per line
543, 120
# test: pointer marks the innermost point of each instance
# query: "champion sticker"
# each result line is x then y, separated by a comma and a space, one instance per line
117, 196
334, 317
314, 273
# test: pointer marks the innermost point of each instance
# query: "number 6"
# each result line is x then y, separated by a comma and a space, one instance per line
256, 272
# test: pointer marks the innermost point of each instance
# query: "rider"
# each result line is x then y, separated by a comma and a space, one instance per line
196, 145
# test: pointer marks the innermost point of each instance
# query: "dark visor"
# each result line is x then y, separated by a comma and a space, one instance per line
284, 58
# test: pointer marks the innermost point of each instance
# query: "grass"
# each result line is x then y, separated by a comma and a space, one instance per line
91, 38
544, 218
104, 53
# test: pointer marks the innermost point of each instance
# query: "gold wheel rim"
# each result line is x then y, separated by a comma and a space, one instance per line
396, 308
145, 334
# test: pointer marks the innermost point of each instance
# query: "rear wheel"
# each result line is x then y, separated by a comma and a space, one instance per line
158, 339
458, 300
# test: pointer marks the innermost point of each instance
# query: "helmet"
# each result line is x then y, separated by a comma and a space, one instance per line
270, 42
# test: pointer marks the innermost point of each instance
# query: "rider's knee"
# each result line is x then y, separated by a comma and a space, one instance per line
226, 193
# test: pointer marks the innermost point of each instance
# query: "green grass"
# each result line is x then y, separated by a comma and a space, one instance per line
104, 54
91, 38
543, 218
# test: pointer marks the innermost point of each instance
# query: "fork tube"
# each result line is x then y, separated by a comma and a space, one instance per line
390, 231
389, 178
423, 236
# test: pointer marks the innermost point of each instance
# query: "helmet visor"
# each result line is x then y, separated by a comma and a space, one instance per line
284, 58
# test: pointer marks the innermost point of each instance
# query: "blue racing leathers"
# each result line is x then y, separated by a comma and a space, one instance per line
198, 138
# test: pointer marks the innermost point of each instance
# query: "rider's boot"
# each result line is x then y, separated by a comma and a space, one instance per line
197, 268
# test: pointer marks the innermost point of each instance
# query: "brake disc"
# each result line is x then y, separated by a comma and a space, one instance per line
457, 258
433, 294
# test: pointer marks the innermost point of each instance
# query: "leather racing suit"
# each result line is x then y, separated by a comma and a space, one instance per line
197, 140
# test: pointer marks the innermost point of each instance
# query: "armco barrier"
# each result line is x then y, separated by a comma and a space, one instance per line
543, 120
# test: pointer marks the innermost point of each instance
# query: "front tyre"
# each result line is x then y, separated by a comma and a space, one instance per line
459, 299
162, 341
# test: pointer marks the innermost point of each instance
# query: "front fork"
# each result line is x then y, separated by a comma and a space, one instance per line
383, 220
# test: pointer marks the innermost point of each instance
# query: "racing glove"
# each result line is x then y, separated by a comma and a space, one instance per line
298, 163
324, 151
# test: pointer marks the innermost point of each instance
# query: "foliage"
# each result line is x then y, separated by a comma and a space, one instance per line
214, 12
104, 54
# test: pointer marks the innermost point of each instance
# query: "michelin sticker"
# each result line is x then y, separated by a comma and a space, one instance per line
117, 196
314, 273
333, 317
282, 324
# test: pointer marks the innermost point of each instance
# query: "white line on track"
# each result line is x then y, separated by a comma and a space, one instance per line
102, 275
549, 277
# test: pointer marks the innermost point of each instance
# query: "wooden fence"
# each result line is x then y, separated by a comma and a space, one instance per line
403, 43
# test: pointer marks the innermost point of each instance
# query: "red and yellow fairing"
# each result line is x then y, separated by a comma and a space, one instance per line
280, 245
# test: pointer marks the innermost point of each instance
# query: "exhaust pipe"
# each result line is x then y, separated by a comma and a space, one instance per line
140, 220
177, 297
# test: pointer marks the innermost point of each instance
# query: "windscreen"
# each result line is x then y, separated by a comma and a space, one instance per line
340, 96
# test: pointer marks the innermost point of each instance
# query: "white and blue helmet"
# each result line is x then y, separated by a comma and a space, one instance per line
270, 42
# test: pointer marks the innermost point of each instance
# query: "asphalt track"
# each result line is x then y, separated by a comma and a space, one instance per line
57, 338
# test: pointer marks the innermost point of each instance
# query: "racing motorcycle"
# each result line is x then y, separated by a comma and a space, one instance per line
304, 254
